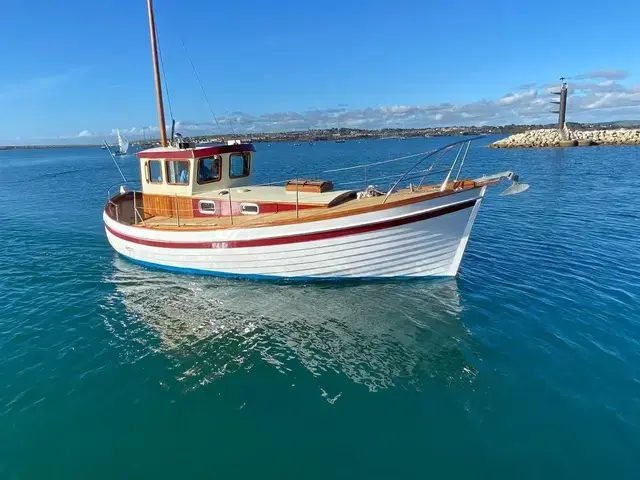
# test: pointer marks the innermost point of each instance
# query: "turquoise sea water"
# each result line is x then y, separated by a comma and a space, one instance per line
525, 366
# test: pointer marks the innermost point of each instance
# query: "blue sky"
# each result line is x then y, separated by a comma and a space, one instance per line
82, 69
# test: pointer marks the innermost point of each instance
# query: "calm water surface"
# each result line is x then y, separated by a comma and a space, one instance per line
525, 366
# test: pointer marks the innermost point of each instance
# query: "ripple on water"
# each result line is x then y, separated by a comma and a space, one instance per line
537, 339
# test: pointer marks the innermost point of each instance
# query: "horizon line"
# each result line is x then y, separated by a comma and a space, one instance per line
234, 135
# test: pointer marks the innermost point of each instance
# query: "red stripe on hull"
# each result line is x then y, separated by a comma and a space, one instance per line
305, 237
222, 207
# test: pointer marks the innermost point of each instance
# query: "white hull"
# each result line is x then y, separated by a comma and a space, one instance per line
418, 240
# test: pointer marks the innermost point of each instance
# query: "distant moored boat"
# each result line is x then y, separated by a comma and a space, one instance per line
123, 144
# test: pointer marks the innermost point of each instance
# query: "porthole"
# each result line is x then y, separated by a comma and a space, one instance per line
249, 209
207, 207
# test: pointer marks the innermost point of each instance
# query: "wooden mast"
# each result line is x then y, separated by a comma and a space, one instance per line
156, 73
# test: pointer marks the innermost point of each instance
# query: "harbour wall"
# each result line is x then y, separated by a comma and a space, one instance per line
551, 137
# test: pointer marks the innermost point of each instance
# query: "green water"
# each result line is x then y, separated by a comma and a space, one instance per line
525, 366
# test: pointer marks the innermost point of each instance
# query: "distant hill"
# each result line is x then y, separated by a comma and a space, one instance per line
602, 125
623, 123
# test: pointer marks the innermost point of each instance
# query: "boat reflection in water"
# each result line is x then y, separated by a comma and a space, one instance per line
377, 334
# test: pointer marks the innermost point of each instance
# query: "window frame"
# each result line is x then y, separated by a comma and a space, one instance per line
168, 161
243, 205
246, 158
149, 176
219, 159
207, 212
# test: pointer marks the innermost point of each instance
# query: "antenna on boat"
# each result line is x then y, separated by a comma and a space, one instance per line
156, 73
231, 122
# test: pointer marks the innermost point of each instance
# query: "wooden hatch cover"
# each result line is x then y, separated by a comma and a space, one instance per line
309, 186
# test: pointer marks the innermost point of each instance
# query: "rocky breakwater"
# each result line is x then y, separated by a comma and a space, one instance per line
550, 137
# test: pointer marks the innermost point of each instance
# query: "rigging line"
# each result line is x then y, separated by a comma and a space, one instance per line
164, 75
378, 163
195, 72
114, 160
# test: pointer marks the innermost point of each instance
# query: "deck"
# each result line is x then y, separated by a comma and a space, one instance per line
349, 207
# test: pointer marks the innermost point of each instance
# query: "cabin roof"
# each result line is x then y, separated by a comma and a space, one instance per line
198, 152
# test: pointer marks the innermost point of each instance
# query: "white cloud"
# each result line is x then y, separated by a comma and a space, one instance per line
512, 98
612, 100
401, 109
138, 131
607, 98
588, 101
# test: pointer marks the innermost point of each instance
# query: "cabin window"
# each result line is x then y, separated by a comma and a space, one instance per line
155, 171
209, 169
177, 172
208, 207
249, 209
239, 165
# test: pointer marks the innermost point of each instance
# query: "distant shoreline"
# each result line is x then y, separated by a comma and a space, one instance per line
333, 134
43, 147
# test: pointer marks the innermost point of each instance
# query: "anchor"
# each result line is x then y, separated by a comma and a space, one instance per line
515, 188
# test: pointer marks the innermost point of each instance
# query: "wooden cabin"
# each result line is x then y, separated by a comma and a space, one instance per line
183, 182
